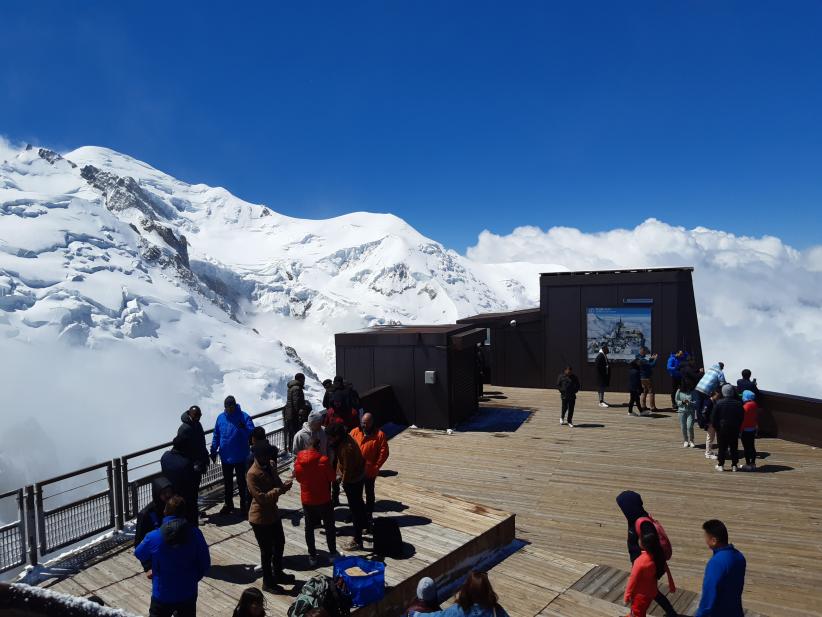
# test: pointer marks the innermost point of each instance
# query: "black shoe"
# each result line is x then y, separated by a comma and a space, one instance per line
285, 579
273, 588
227, 510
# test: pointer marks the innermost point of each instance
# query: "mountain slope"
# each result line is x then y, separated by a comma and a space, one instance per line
127, 295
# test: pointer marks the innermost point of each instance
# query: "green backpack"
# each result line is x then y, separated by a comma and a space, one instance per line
318, 592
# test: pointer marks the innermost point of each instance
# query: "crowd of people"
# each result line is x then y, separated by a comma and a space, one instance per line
339, 446
704, 398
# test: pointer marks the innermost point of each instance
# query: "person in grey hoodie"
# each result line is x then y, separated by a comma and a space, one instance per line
312, 429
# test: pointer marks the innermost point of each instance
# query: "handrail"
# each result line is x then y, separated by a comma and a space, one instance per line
71, 474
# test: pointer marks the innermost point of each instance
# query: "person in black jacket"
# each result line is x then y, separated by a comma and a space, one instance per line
568, 386
746, 383
151, 517
634, 387
603, 367
630, 502
184, 475
329, 390
296, 409
192, 438
726, 419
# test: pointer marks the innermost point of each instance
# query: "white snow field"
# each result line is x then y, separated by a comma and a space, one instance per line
127, 295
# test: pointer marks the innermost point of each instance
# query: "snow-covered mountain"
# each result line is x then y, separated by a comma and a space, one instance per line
127, 295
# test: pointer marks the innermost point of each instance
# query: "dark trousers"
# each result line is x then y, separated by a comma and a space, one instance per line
271, 540
229, 470
370, 497
192, 512
181, 609
292, 427
727, 440
698, 400
665, 604
353, 492
676, 382
316, 516
748, 444
568, 408
601, 392
634, 400
335, 492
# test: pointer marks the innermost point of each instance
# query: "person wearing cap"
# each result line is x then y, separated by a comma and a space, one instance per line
265, 488
750, 424
727, 417
232, 432
426, 599
311, 429
315, 474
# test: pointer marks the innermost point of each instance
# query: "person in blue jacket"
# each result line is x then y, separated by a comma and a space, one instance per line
179, 559
724, 575
674, 368
232, 434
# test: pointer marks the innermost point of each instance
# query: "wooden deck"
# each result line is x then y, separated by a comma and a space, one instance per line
562, 483
443, 536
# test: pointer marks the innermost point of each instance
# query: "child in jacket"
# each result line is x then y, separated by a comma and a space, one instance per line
750, 424
642, 588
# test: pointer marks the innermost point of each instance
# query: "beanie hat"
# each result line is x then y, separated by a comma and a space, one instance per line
316, 416
728, 391
230, 400
747, 395
426, 590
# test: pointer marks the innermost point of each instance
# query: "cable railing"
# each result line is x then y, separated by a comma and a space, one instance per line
64, 510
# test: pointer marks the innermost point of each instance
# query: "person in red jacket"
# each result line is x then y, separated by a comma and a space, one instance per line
642, 588
315, 474
750, 424
374, 447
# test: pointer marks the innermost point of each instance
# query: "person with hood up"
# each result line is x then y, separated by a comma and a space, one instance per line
726, 419
674, 368
724, 577
232, 433
315, 474
374, 447
184, 475
568, 386
711, 382
151, 517
179, 559
426, 599
630, 502
312, 429
603, 367
266, 487
476, 598
750, 424
296, 408
192, 438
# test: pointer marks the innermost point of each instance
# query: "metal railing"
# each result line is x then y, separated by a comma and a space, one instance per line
13, 535
64, 510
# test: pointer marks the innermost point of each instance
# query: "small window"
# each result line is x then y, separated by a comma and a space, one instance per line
487, 337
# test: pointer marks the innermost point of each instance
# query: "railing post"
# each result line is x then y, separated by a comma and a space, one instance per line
31, 533
21, 525
124, 494
117, 491
112, 497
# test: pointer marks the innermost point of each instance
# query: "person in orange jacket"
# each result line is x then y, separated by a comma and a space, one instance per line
642, 587
374, 447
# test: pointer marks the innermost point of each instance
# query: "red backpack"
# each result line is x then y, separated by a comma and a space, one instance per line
664, 542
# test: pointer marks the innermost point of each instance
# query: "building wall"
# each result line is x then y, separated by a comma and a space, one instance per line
518, 354
564, 301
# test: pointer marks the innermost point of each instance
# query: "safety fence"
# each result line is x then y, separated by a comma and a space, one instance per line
64, 510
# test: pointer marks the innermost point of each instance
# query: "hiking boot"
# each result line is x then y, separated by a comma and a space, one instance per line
273, 588
284, 578
354, 546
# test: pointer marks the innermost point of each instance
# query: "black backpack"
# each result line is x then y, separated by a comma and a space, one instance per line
387, 538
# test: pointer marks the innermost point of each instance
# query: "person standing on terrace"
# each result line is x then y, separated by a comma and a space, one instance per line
647, 362
232, 433
674, 368
603, 367
724, 577
568, 386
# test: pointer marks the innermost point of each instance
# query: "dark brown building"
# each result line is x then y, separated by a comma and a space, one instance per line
581, 310
432, 369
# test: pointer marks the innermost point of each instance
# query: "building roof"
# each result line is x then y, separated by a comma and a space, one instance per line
528, 314
623, 270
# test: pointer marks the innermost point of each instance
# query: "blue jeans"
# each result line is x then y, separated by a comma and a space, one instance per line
686, 423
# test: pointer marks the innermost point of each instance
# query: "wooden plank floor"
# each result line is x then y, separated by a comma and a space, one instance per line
562, 483
441, 534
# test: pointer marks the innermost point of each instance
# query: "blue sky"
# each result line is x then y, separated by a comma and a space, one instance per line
457, 116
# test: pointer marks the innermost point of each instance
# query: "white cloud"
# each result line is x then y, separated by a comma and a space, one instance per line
759, 300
